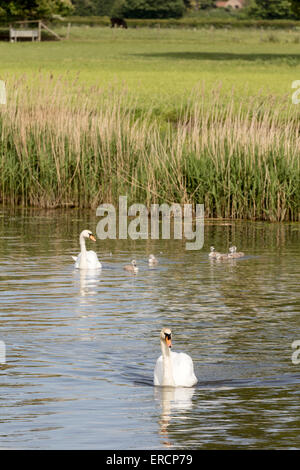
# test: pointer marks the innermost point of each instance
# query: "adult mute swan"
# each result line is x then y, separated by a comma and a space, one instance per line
173, 369
86, 259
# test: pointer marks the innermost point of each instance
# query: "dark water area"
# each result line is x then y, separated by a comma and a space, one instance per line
81, 346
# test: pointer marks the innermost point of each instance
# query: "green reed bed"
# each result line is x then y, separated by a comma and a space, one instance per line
64, 145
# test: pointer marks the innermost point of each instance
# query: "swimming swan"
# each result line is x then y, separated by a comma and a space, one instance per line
131, 267
86, 259
173, 369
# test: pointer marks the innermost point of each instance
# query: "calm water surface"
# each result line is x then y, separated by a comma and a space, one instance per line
81, 348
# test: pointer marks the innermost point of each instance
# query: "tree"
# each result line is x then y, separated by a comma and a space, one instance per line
93, 7
206, 4
271, 9
295, 7
31, 9
150, 9
191, 4
104, 7
199, 4
84, 7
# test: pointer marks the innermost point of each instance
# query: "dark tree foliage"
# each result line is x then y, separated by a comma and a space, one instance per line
151, 9
93, 7
32, 9
271, 9
295, 7
84, 7
206, 4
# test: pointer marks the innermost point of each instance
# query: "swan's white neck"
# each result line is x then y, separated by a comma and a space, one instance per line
168, 379
83, 259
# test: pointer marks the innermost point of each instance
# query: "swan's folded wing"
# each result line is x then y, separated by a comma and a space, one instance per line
92, 259
183, 370
77, 260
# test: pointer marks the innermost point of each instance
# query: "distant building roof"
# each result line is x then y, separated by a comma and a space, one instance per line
230, 3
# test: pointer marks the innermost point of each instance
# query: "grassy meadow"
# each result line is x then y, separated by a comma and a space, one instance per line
162, 115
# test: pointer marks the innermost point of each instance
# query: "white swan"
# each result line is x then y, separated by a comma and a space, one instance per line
173, 369
86, 259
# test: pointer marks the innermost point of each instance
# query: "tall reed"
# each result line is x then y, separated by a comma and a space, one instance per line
64, 145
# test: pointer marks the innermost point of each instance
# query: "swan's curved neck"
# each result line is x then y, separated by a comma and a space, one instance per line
82, 244
83, 260
168, 378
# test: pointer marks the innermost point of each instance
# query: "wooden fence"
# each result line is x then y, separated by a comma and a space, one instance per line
26, 32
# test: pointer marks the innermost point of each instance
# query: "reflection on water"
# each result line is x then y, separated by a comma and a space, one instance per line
172, 399
88, 281
81, 346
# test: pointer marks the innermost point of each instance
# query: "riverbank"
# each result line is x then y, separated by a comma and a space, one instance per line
161, 116
239, 158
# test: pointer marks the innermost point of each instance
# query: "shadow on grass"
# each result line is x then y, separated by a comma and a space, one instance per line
224, 56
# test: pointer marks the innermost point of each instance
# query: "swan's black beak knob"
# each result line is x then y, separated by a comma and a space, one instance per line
168, 340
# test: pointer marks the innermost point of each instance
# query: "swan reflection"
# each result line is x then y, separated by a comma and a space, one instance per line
88, 281
172, 399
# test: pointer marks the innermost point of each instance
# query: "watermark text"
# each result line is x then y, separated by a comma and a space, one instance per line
2, 352
153, 222
296, 94
2, 92
296, 353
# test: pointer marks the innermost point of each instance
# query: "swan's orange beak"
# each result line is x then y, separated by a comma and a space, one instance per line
169, 342
92, 238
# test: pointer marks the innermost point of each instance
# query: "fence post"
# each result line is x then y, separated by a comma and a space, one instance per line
39, 31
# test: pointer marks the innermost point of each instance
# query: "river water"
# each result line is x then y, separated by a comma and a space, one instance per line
81, 347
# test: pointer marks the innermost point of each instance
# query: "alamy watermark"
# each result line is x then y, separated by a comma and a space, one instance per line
296, 94
296, 354
184, 224
2, 92
2, 352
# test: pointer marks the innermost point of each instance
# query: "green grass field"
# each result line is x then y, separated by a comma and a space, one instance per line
163, 115
164, 64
